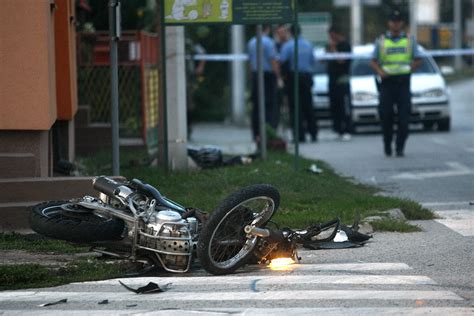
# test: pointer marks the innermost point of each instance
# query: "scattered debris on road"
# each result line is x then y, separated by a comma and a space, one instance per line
64, 300
150, 288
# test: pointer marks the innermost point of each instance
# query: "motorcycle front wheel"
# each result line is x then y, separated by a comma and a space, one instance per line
223, 246
66, 221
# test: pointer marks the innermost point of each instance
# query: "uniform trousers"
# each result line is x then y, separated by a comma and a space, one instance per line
307, 119
395, 102
270, 101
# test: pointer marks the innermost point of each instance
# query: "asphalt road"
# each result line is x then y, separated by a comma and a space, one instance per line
437, 167
437, 171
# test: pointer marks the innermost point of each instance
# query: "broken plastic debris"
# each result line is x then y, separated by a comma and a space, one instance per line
341, 236
147, 289
64, 300
314, 169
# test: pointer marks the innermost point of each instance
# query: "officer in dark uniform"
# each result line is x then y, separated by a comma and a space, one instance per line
395, 57
305, 77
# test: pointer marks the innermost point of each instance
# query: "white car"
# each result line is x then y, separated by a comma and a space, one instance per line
430, 95
320, 88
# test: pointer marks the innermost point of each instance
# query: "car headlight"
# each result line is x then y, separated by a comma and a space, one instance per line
364, 97
434, 93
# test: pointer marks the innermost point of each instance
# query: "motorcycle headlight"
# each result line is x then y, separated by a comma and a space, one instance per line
364, 97
434, 93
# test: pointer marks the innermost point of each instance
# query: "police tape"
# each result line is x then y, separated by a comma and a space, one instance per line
333, 56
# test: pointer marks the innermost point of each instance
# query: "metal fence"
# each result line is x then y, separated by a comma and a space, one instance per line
138, 80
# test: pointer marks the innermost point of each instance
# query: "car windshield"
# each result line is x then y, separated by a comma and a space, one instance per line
361, 67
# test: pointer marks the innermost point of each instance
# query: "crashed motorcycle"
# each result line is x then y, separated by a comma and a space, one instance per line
132, 220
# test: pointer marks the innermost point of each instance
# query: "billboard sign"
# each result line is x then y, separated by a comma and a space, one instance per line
182, 12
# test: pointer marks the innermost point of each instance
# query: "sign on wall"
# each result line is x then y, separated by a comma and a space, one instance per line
179, 12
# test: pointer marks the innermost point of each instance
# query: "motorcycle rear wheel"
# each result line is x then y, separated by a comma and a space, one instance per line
53, 219
223, 246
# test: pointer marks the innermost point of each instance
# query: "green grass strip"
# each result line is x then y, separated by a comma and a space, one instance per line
306, 198
394, 226
36, 243
34, 275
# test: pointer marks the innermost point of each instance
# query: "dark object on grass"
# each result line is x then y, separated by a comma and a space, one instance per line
212, 157
150, 288
103, 302
64, 300
207, 156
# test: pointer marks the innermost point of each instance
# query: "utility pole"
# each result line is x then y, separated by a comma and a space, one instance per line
238, 76
114, 29
457, 33
261, 96
356, 22
163, 160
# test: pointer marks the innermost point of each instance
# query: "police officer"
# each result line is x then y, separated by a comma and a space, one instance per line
339, 85
395, 57
271, 76
305, 69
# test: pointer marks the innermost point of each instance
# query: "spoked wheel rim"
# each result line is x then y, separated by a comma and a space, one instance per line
73, 211
229, 243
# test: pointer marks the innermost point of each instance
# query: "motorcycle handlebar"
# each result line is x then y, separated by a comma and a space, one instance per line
113, 188
146, 188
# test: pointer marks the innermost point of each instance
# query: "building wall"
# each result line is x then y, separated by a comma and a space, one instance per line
65, 50
27, 76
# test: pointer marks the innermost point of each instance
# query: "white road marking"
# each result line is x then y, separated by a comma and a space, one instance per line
297, 290
245, 296
327, 311
363, 266
456, 169
369, 266
276, 279
461, 221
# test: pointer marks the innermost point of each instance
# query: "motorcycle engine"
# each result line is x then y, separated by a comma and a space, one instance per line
171, 238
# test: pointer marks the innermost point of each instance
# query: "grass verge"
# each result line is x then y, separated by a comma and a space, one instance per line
306, 198
394, 226
36, 243
35, 276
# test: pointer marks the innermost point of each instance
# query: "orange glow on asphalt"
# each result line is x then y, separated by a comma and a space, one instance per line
281, 264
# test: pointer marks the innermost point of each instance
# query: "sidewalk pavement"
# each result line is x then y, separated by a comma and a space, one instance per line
231, 139
237, 140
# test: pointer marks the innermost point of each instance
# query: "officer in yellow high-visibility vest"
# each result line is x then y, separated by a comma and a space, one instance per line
395, 57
